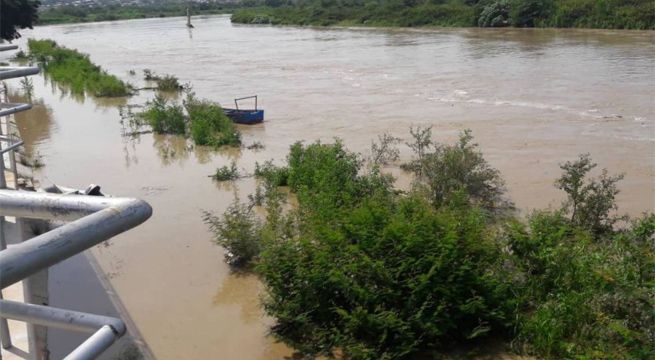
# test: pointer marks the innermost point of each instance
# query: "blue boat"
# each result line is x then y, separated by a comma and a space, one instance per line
245, 116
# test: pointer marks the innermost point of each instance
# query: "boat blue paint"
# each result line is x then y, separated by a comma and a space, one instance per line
245, 116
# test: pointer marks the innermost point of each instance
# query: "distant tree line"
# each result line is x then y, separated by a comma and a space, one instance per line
617, 14
92, 13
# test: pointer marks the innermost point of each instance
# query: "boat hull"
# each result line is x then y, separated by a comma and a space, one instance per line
247, 117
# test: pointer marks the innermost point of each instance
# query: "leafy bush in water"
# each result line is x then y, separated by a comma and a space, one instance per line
225, 173
164, 118
276, 175
209, 125
238, 232
359, 269
590, 202
452, 173
168, 83
583, 296
75, 70
205, 121
396, 278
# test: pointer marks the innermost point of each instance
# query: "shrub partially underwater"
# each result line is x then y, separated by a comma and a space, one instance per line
359, 268
75, 70
204, 121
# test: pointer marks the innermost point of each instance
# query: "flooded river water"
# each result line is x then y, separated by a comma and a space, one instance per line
533, 98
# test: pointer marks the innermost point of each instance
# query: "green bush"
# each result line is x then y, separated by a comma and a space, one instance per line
75, 70
397, 278
452, 173
225, 173
271, 174
204, 121
361, 270
209, 125
590, 202
238, 232
580, 297
495, 14
164, 118
168, 83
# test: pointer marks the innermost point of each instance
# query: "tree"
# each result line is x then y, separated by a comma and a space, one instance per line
17, 14
590, 202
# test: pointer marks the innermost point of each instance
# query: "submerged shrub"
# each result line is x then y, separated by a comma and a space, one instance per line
164, 118
225, 173
238, 232
451, 174
169, 83
204, 121
209, 125
360, 270
271, 174
580, 297
75, 70
590, 201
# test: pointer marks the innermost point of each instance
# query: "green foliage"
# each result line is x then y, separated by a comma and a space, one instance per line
75, 70
495, 14
384, 151
396, 278
209, 125
582, 298
164, 118
238, 232
27, 86
621, 14
360, 270
15, 15
205, 121
591, 202
530, 13
271, 174
164, 83
110, 12
225, 173
452, 173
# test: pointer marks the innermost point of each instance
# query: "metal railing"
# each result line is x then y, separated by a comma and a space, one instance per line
91, 220
94, 219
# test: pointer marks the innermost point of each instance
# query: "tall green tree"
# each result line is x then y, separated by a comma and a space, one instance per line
15, 15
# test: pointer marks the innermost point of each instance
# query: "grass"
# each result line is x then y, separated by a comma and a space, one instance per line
75, 70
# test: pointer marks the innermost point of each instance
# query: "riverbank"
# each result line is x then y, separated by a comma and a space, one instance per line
617, 14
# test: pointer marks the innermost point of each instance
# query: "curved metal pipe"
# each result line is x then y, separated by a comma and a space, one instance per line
24, 259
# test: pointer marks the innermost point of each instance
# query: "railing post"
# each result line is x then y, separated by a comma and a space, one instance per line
5, 336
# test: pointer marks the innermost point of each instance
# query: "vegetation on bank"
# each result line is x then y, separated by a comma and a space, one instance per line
75, 70
360, 268
92, 13
202, 120
607, 14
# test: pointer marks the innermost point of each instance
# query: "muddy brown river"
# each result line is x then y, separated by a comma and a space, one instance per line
533, 98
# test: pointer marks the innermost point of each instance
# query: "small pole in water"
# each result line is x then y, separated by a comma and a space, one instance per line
188, 18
